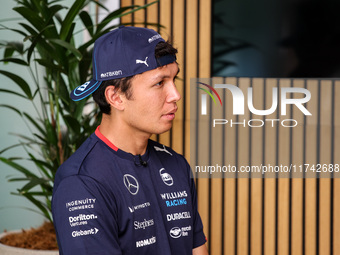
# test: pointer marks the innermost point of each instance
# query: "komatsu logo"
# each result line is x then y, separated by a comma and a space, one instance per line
146, 242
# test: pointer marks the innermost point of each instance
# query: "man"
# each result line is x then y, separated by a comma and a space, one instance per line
121, 193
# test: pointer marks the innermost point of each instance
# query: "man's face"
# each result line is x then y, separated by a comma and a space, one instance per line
152, 106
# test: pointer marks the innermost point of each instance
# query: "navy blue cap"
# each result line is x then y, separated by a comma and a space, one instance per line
123, 52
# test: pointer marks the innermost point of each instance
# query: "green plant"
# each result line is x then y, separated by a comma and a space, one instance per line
49, 49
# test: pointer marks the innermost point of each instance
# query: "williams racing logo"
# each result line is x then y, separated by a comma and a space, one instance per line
175, 198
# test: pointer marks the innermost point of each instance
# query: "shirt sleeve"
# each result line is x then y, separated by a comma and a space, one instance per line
199, 237
85, 217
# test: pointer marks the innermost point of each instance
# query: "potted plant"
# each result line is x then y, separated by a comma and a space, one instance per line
49, 49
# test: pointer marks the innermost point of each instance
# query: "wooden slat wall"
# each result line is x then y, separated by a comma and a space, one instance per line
258, 215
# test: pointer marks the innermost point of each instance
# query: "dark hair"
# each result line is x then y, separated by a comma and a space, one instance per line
124, 84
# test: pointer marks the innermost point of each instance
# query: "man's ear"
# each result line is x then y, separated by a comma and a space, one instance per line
114, 97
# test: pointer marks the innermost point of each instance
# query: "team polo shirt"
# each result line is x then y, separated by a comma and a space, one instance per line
107, 201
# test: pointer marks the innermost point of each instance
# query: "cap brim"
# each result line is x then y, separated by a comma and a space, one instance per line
84, 90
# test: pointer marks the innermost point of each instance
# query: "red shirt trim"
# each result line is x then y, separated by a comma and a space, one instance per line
105, 140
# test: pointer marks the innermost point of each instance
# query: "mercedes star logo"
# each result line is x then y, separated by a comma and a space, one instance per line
131, 184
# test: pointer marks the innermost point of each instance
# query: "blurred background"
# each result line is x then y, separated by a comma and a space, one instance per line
246, 43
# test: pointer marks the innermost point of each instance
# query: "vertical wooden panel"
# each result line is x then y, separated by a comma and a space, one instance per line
336, 155
216, 182
139, 17
310, 188
243, 183
204, 38
165, 20
126, 18
325, 156
178, 36
297, 183
204, 71
283, 182
256, 182
230, 183
270, 183
190, 63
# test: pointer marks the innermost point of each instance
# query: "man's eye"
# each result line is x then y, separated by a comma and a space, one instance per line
159, 83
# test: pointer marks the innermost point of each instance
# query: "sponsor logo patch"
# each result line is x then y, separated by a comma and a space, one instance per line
83, 87
175, 198
91, 231
81, 204
138, 61
81, 219
155, 37
178, 216
143, 224
162, 149
166, 177
131, 184
137, 207
146, 242
109, 74
177, 232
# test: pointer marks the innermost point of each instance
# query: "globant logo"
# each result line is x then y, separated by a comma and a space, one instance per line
91, 231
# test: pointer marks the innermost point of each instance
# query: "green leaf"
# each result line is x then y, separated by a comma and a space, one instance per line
49, 64
87, 21
11, 47
11, 147
73, 123
99, 4
33, 183
11, 107
30, 16
12, 92
32, 141
18, 167
113, 15
41, 130
20, 82
38, 204
36, 41
14, 60
68, 46
119, 13
74, 10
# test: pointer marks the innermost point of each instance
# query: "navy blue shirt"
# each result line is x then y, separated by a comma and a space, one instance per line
107, 201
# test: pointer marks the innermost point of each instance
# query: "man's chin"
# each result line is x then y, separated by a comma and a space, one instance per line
163, 130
